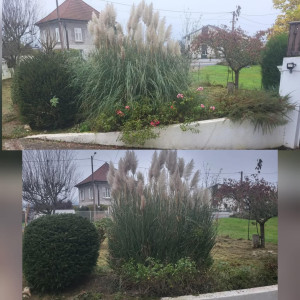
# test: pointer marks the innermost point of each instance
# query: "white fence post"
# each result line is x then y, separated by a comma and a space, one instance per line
290, 85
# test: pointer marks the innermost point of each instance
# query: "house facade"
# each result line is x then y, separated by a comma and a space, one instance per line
74, 17
204, 51
102, 188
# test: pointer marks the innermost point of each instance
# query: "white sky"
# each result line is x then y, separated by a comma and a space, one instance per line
255, 15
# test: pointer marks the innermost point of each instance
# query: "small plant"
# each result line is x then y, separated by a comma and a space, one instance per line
58, 250
103, 227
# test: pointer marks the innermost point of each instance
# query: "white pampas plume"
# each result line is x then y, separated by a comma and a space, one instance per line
140, 177
161, 31
194, 181
188, 170
140, 188
155, 20
171, 161
168, 33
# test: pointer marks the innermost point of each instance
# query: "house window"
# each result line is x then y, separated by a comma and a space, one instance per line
91, 193
81, 195
107, 192
57, 36
78, 34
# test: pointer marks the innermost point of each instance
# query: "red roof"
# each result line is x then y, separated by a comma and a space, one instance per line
71, 10
99, 175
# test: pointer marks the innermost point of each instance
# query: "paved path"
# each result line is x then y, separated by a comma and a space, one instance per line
31, 144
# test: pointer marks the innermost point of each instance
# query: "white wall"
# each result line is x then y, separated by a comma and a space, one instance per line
6, 72
213, 134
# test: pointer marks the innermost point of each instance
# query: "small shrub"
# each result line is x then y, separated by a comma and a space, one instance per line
58, 250
103, 227
41, 88
272, 56
157, 278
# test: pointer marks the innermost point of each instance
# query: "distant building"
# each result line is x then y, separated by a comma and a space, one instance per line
204, 51
74, 16
102, 188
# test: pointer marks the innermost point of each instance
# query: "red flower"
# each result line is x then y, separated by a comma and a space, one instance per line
172, 106
127, 107
154, 123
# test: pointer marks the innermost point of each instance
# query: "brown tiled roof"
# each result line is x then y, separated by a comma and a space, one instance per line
71, 10
99, 175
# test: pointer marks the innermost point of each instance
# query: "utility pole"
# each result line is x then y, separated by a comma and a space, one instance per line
235, 15
93, 184
60, 29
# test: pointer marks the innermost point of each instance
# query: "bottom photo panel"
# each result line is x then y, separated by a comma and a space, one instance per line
150, 224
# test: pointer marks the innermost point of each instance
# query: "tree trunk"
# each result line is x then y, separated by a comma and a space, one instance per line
236, 76
262, 235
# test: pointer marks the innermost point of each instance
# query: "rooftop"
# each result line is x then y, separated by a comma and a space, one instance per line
99, 175
71, 10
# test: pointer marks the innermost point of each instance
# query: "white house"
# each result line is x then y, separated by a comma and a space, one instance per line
74, 16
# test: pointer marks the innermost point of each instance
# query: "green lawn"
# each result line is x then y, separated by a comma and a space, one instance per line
250, 78
238, 229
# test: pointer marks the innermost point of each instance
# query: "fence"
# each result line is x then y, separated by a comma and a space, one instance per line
93, 215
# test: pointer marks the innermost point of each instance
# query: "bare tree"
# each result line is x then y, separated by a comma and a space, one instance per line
48, 43
48, 179
18, 30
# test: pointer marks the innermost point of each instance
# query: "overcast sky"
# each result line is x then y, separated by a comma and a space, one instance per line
255, 15
230, 161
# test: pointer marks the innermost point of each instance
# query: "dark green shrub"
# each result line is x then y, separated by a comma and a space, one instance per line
41, 88
58, 250
272, 57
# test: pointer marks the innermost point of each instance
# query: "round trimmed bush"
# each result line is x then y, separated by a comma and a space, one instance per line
41, 88
58, 250
272, 57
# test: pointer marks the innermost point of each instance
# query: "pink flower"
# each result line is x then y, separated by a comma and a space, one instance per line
154, 123
127, 107
172, 107
180, 96
200, 88
120, 113
212, 107
202, 105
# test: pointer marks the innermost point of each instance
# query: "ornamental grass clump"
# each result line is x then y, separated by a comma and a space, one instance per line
166, 217
129, 65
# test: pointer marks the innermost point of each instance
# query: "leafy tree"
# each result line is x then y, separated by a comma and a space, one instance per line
290, 12
238, 49
255, 196
18, 29
48, 179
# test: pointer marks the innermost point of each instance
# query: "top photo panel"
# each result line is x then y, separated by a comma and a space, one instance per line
155, 75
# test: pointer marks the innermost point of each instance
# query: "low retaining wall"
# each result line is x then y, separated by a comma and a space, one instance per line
260, 293
211, 134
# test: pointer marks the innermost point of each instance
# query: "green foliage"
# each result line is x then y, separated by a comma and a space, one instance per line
166, 231
88, 296
272, 56
58, 250
103, 227
109, 78
157, 278
41, 88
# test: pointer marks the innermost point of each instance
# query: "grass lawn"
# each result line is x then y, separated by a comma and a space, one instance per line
238, 229
250, 78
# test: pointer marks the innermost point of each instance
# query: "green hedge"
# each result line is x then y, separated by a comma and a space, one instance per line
41, 88
58, 250
272, 57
